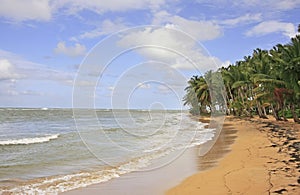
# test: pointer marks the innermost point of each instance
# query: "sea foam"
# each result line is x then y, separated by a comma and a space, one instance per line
26, 141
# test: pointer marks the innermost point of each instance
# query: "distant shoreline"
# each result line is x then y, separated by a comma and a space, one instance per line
110, 109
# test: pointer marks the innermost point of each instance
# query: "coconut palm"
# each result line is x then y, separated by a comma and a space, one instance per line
263, 82
191, 98
198, 95
290, 72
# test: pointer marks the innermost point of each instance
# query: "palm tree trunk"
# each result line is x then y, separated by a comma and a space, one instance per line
227, 106
229, 101
295, 117
264, 111
283, 115
234, 112
230, 93
275, 112
259, 110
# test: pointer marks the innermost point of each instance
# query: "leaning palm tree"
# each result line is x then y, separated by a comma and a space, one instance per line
198, 95
229, 79
203, 95
190, 97
263, 82
290, 72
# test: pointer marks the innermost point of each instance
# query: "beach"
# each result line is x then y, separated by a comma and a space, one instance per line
264, 159
250, 156
159, 180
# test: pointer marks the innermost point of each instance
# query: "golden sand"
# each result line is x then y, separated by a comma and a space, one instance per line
264, 160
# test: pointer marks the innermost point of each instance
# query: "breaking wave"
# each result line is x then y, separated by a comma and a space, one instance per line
26, 141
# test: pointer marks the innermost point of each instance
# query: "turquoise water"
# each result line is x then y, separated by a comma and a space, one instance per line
50, 151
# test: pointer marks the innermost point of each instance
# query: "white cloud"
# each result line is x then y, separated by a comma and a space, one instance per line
7, 70
279, 5
226, 63
20, 10
144, 85
100, 7
245, 19
158, 44
287, 4
43, 10
106, 27
268, 27
23, 69
201, 30
111, 88
32, 92
267, 5
200, 61
169, 46
73, 51
149, 36
10, 91
162, 89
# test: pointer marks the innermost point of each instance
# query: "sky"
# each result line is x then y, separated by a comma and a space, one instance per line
130, 53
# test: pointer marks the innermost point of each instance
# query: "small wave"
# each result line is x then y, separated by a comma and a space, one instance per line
26, 141
62, 183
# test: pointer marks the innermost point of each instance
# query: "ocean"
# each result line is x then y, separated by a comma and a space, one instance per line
49, 151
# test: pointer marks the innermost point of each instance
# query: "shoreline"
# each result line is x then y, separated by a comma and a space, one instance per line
157, 181
251, 156
264, 160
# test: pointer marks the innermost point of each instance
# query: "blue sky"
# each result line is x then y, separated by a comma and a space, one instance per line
45, 44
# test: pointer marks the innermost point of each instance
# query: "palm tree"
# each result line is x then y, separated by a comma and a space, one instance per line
197, 95
265, 81
228, 78
203, 95
290, 72
191, 98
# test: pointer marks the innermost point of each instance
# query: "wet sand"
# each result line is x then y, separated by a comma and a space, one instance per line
157, 181
264, 159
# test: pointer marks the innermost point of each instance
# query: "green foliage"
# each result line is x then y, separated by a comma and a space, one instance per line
264, 81
288, 113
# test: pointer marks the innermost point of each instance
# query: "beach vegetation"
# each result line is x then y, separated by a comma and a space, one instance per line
265, 83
